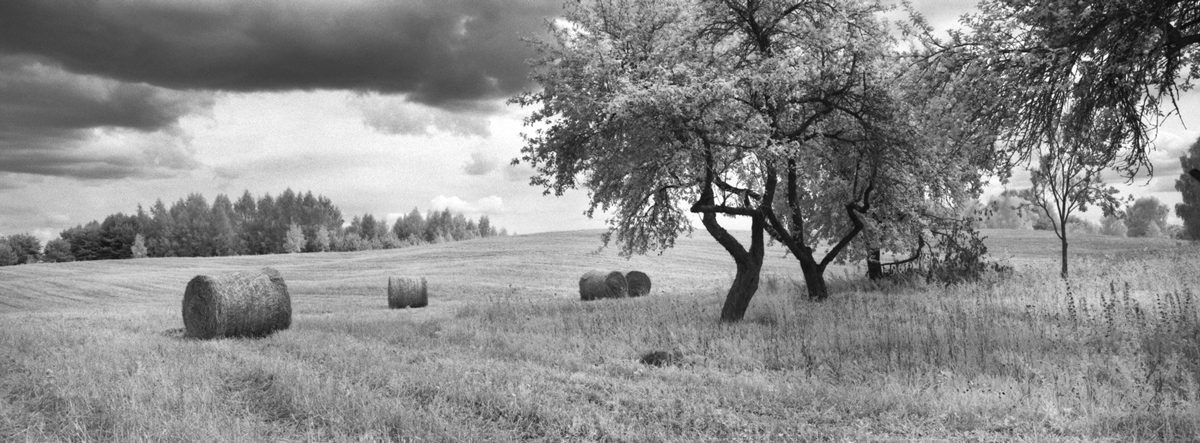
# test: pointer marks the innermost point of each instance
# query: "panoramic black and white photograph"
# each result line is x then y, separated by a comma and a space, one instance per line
599, 220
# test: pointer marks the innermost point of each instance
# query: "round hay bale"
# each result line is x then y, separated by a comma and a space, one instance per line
238, 304
407, 293
639, 283
602, 284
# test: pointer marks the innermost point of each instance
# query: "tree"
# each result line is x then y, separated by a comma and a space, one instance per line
1189, 187
321, 240
57, 251
294, 242
7, 256
225, 239
1147, 217
720, 107
84, 240
485, 227
138, 250
28, 249
1099, 67
599, 120
366, 228
161, 231
195, 235
1066, 180
410, 226
1004, 211
117, 234
1113, 225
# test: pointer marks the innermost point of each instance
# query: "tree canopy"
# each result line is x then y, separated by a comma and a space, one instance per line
785, 113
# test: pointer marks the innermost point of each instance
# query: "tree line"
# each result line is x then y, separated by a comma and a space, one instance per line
289, 223
1145, 217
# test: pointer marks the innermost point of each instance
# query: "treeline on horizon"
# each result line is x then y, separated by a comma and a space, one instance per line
191, 227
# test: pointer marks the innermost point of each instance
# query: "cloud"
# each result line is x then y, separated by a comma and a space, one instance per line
56, 123
487, 205
392, 115
451, 54
481, 164
520, 172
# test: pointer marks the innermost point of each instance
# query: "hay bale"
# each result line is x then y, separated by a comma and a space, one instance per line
239, 304
639, 283
407, 293
602, 284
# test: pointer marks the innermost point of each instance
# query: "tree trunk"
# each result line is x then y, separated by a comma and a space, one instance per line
874, 265
749, 265
745, 285
1064, 253
814, 276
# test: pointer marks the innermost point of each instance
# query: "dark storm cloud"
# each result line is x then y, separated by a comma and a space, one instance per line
446, 53
55, 123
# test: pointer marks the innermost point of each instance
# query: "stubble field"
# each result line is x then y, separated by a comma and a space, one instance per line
505, 351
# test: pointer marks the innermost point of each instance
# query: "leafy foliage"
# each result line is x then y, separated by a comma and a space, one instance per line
26, 248
1099, 67
1189, 187
7, 256
57, 251
139, 247
1147, 217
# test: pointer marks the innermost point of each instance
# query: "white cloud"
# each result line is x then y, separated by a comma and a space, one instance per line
481, 163
487, 205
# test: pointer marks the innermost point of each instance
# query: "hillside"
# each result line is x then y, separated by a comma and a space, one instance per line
534, 267
538, 266
93, 351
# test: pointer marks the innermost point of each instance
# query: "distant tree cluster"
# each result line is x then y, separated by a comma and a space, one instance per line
19, 249
1145, 217
289, 223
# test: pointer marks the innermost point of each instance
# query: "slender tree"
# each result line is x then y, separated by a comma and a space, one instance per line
1067, 180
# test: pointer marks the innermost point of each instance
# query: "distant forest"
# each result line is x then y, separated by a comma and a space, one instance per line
291, 223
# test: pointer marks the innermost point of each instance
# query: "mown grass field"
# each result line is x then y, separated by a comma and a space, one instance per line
92, 351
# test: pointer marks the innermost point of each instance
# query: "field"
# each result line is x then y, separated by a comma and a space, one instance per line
93, 350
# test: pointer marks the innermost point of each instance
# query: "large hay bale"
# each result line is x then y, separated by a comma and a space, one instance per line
238, 304
639, 283
602, 284
407, 293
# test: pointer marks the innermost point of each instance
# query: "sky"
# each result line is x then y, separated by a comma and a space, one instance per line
380, 105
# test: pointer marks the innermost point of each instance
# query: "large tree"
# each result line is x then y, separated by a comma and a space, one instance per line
633, 108
772, 111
